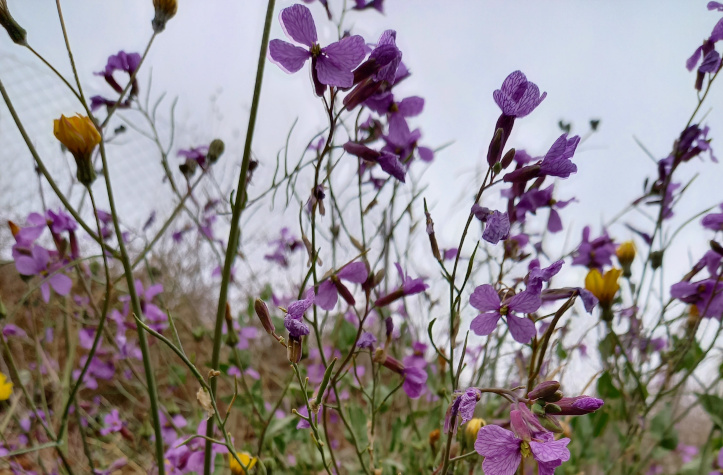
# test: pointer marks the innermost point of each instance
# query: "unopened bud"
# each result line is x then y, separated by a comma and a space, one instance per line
551, 408
551, 424
656, 259
343, 291
473, 427
165, 10
579, 405
507, 158
215, 150
494, 152
717, 248
538, 409
434, 437
389, 298
555, 397
542, 390
16, 32
262, 311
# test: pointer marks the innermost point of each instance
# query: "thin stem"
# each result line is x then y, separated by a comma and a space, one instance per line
234, 233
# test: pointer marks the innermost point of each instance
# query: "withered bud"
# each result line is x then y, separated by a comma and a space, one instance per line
551, 408
165, 10
293, 350
717, 248
430, 233
262, 311
17, 33
215, 150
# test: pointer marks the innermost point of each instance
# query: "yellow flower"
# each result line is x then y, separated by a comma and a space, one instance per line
473, 427
6, 388
604, 287
245, 458
626, 252
80, 137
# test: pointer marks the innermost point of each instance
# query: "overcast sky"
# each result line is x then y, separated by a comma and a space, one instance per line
620, 61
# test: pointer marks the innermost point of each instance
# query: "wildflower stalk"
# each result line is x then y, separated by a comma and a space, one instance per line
314, 428
99, 331
80, 95
235, 232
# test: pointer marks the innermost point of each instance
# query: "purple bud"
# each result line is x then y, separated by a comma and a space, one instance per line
542, 390
579, 405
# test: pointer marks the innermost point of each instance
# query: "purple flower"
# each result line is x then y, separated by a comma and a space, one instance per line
366, 340
706, 295
328, 292
378, 73
497, 228
518, 97
122, 61
389, 162
331, 65
537, 276
596, 253
503, 451
294, 319
557, 160
285, 245
485, 299
364, 4
112, 423
39, 263
713, 221
462, 409
415, 381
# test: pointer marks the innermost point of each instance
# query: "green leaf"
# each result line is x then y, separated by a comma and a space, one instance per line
606, 388
713, 405
661, 428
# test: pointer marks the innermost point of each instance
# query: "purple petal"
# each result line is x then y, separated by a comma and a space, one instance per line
327, 296
61, 284
411, 106
331, 74
426, 153
296, 328
522, 329
494, 441
485, 298
391, 164
296, 309
525, 302
558, 168
497, 228
152, 291
550, 451
355, 272
45, 291
554, 223
298, 24
717, 33
346, 53
694, 58
288, 57
26, 265
485, 323
41, 256
504, 465
710, 63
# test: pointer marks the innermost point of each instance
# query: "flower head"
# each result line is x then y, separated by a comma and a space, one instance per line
246, 459
604, 287
331, 65
40, 262
596, 253
486, 299
462, 409
329, 290
80, 137
164, 11
503, 451
518, 97
17, 33
6, 388
294, 320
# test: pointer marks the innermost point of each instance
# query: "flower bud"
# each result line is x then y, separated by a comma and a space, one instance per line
293, 350
246, 459
262, 312
543, 390
507, 158
389, 298
551, 424
551, 408
538, 408
165, 10
626, 255
555, 397
391, 363
215, 150
80, 136
343, 291
656, 259
472, 428
434, 437
579, 405
717, 248
494, 152
16, 32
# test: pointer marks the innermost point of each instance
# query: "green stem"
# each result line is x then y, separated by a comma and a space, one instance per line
234, 232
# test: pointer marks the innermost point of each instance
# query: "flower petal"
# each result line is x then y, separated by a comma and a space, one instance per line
522, 329
26, 265
355, 272
494, 442
411, 106
61, 284
485, 298
327, 296
549, 451
485, 323
288, 57
346, 53
525, 302
331, 74
391, 164
298, 24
